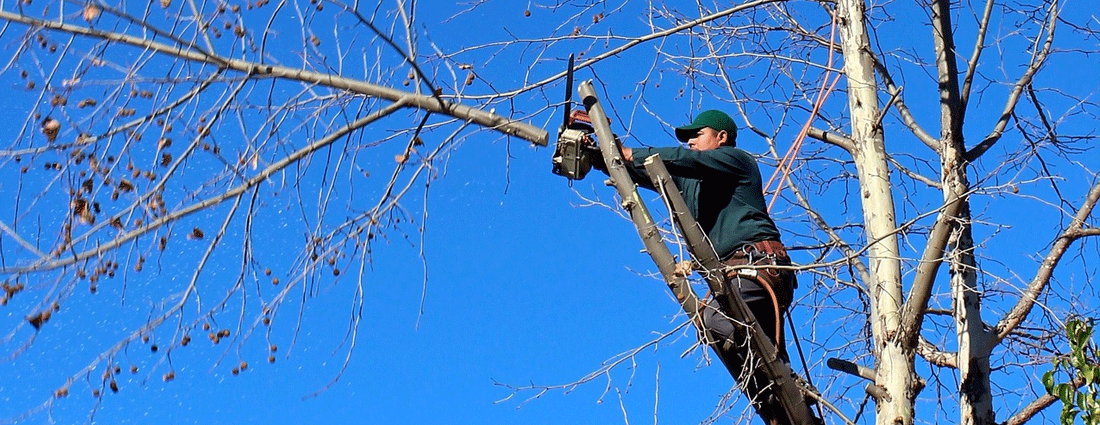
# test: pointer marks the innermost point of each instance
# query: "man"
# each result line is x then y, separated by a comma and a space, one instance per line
722, 187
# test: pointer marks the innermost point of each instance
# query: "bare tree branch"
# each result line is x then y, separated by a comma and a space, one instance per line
429, 103
1038, 59
1039, 283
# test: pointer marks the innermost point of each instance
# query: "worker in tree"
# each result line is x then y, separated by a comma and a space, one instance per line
722, 187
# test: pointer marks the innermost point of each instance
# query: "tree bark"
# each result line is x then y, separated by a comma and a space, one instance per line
975, 346
894, 369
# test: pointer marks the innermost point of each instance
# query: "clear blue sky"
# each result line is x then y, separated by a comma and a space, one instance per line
523, 286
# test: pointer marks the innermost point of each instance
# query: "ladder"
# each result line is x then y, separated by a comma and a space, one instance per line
788, 389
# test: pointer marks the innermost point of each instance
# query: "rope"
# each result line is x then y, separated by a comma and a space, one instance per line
783, 169
783, 172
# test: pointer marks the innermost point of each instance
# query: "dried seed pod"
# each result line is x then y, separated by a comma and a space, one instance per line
50, 127
39, 319
91, 12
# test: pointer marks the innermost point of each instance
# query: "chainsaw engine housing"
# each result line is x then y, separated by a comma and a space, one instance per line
572, 158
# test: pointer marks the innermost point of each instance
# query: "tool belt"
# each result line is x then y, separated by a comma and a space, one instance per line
762, 253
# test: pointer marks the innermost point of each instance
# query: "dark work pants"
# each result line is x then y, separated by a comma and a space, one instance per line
739, 358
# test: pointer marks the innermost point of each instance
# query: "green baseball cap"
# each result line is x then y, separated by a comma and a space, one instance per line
713, 118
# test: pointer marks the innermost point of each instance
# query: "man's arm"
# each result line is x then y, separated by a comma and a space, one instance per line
637, 173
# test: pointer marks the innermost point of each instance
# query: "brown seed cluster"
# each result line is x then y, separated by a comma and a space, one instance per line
217, 337
50, 127
37, 320
9, 291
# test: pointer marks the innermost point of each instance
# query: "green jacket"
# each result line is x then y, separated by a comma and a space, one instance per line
723, 191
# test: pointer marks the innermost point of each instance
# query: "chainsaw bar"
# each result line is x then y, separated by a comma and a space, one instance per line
568, 93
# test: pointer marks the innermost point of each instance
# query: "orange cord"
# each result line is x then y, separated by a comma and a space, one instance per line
783, 170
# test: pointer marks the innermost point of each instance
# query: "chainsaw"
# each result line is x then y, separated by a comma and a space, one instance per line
576, 147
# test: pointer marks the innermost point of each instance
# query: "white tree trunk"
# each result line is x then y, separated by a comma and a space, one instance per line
894, 369
975, 344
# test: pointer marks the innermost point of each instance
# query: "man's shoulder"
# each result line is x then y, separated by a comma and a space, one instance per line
733, 150
734, 153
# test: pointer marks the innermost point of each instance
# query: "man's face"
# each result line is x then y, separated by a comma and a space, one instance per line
706, 139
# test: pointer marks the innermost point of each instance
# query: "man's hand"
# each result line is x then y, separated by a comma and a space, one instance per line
628, 154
